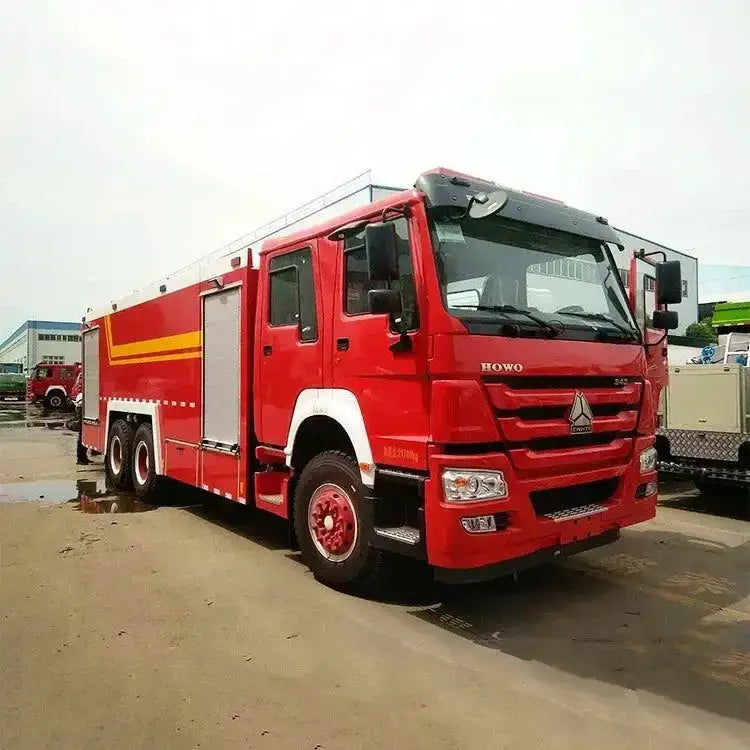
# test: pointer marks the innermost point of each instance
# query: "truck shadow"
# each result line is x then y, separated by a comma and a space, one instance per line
256, 526
729, 502
659, 612
656, 612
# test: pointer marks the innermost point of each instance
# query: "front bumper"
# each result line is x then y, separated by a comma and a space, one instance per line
529, 536
541, 556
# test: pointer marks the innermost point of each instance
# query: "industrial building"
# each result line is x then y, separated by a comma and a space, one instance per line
688, 308
42, 341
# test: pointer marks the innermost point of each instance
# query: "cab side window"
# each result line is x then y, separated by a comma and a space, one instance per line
357, 283
292, 293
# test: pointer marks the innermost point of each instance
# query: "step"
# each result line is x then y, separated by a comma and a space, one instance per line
404, 534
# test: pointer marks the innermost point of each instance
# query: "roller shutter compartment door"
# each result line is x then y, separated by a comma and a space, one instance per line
91, 374
221, 368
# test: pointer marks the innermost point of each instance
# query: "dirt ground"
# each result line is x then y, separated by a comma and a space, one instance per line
194, 625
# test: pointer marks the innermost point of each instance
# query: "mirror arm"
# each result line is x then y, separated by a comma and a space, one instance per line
404, 343
642, 254
395, 211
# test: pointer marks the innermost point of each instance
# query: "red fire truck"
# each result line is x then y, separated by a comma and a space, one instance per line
52, 384
452, 373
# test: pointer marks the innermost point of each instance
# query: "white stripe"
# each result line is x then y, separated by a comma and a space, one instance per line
205, 487
165, 403
228, 495
192, 404
242, 500
182, 403
174, 403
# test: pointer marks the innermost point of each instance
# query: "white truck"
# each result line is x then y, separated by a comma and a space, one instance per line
704, 433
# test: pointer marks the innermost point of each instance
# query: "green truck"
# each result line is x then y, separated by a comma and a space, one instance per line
12, 381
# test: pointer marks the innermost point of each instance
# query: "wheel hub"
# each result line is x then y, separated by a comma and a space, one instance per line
332, 522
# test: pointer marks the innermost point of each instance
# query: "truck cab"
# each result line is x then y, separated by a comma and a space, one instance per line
473, 349
52, 384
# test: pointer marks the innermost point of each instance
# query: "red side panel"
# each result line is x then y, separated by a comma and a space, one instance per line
152, 354
181, 462
223, 474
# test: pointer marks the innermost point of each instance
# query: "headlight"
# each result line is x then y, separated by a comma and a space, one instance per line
468, 486
648, 460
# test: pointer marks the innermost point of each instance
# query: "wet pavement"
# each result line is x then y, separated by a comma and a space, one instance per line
645, 642
23, 414
87, 495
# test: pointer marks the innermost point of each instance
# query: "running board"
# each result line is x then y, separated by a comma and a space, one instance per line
403, 540
579, 512
405, 534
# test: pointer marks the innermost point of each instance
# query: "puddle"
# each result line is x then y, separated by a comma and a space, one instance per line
88, 495
119, 504
21, 414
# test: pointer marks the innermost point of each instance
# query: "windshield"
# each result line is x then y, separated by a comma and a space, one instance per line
506, 277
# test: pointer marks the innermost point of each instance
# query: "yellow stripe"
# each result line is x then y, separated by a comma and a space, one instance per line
108, 336
158, 358
152, 350
191, 340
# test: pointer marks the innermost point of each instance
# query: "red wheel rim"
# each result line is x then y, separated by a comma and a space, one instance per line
332, 522
115, 455
141, 463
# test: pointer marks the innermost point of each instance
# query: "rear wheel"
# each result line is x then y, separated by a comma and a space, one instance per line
143, 465
333, 521
119, 449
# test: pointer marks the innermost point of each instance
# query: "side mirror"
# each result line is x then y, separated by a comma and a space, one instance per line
384, 301
668, 283
381, 250
665, 320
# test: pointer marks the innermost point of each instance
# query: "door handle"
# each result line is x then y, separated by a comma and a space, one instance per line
267, 350
342, 345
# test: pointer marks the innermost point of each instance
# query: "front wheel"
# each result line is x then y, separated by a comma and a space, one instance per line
333, 521
54, 400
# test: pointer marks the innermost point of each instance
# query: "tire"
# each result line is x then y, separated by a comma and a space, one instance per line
55, 400
333, 521
143, 468
118, 456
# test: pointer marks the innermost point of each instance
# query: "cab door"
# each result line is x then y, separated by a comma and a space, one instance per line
643, 304
291, 342
384, 370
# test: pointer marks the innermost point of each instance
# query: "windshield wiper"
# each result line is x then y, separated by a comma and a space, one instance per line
555, 330
629, 332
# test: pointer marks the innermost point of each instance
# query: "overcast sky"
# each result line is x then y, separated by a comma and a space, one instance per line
136, 136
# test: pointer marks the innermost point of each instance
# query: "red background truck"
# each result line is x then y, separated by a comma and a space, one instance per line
413, 377
52, 384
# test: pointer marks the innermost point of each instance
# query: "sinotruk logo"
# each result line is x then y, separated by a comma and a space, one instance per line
581, 416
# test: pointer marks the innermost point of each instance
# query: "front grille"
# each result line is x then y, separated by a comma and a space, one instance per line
571, 441
533, 412
548, 502
560, 412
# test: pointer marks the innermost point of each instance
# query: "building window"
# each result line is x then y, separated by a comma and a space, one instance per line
625, 276
684, 288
